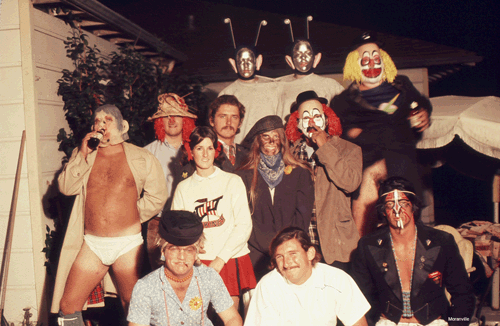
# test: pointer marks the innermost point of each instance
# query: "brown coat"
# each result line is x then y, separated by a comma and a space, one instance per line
338, 174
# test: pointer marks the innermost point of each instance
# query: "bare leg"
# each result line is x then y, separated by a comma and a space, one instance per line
126, 271
363, 208
87, 271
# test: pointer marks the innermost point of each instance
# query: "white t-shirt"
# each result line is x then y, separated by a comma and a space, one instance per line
221, 200
329, 293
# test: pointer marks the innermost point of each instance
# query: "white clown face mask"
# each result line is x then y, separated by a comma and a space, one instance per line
370, 62
311, 114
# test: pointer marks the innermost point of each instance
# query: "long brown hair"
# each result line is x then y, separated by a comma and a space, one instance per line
253, 159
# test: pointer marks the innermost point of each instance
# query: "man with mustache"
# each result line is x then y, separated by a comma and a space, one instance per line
173, 124
375, 112
117, 188
225, 115
404, 268
302, 291
314, 130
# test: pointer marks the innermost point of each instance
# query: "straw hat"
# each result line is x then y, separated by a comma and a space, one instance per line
171, 104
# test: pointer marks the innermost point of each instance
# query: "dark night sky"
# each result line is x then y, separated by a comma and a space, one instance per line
470, 25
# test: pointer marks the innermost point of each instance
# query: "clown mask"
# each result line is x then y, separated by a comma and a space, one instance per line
113, 129
370, 62
245, 63
311, 114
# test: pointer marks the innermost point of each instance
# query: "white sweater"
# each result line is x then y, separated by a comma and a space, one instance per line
221, 200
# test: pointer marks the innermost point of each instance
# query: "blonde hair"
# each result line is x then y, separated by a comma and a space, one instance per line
352, 70
162, 244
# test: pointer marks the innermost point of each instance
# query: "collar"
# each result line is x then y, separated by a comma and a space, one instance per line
199, 178
226, 146
426, 252
166, 143
165, 284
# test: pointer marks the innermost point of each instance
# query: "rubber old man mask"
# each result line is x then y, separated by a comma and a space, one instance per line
109, 122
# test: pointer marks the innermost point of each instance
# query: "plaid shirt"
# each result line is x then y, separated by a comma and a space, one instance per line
300, 153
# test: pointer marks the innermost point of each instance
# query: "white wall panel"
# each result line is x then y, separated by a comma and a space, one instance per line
11, 85
11, 118
11, 52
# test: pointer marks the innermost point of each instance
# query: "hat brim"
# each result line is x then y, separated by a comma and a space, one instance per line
265, 124
295, 106
170, 113
177, 241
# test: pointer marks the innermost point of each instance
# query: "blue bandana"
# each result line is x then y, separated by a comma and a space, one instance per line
271, 168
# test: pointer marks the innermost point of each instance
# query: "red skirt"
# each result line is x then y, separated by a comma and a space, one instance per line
230, 277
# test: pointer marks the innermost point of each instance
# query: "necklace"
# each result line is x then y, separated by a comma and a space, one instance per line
201, 299
407, 312
412, 254
178, 280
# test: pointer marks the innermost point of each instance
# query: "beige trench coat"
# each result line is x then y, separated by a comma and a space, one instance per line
148, 176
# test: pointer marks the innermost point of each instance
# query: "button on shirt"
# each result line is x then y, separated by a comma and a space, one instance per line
329, 293
147, 305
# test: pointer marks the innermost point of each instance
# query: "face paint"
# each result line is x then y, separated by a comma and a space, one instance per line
270, 142
310, 114
397, 207
245, 63
371, 64
303, 57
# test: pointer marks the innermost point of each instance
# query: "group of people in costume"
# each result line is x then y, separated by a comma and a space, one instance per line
259, 216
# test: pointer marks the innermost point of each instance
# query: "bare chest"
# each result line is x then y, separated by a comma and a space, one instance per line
111, 172
404, 261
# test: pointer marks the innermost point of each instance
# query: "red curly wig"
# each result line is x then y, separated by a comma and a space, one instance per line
334, 127
187, 127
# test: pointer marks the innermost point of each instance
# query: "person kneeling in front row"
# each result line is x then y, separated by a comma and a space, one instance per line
180, 291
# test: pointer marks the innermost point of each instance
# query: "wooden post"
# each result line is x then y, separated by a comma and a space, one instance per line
10, 228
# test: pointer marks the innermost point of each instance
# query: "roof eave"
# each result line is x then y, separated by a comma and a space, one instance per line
114, 19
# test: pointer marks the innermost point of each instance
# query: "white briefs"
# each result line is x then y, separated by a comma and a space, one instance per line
108, 249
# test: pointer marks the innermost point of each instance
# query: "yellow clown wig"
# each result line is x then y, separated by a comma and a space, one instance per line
352, 70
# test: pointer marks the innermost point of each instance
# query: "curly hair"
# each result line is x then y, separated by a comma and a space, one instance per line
352, 70
334, 126
162, 244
